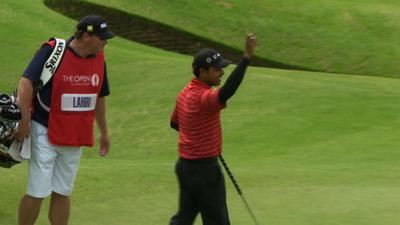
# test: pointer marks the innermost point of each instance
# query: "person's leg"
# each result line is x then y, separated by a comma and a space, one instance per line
59, 209
41, 167
188, 209
213, 207
65, 170
29, 209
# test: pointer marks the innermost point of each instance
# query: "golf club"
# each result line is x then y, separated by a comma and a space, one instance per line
228, 171
5, 100
11, 113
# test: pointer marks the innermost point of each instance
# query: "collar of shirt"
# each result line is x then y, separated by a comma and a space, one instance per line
73, 50
198, 83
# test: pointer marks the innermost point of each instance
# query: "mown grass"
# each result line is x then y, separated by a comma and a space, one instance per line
352, 37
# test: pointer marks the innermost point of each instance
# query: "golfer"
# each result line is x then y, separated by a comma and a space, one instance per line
197, 119
64, 110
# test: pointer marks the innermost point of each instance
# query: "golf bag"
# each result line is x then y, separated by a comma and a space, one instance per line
10, 115
11, 151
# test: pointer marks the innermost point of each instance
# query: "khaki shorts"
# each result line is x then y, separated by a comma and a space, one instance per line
51, 168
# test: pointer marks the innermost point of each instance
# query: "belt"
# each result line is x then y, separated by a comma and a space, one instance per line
201, 160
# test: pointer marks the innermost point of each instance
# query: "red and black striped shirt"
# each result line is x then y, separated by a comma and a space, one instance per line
197, 112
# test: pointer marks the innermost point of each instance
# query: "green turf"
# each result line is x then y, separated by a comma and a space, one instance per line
353, 36
306, 148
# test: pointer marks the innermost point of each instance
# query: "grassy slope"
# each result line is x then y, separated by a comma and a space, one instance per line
306, 148
357, 37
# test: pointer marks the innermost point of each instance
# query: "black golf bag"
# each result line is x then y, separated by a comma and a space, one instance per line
10, 115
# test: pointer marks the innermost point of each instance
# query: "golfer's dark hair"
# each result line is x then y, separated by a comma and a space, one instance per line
196, 70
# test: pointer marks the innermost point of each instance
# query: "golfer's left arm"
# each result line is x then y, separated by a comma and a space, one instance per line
234, 80
101, 121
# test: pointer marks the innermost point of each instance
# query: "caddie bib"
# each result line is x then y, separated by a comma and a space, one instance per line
76, 85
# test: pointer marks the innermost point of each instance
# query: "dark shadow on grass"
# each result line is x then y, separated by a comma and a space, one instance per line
152, 33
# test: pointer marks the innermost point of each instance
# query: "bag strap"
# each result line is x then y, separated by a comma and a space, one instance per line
52, 63
50, 67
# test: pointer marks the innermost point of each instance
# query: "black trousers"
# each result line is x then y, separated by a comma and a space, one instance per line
202, 189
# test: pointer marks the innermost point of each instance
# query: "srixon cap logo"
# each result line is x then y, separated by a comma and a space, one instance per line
215, 57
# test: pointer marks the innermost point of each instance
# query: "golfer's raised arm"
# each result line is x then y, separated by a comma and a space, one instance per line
234, 80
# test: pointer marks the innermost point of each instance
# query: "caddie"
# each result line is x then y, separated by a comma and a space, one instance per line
60, 94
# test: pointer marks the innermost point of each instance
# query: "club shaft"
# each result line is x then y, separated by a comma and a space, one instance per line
250, 211
228, 171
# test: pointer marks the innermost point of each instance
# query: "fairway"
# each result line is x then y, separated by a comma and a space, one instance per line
306, 148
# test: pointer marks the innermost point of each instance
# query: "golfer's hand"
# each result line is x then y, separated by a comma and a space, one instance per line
251, 43
23, 130
104, 145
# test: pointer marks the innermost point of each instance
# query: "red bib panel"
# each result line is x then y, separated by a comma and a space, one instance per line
76, 86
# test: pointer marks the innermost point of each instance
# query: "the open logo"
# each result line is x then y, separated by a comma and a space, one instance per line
95, 80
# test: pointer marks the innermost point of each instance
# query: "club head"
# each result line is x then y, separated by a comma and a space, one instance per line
5, 100
10, 113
